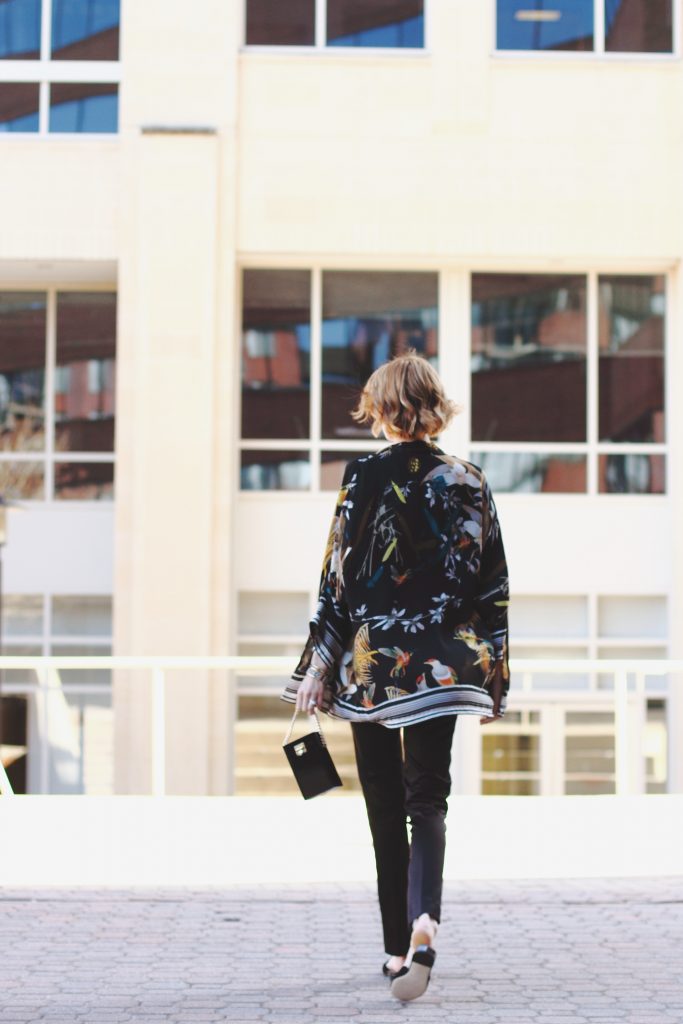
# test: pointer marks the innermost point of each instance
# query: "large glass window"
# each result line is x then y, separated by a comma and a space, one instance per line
19, 106
75, 753
368, 317
85, 371
358, 23
539, 25
297, 432
532, 373
276, 353
617, 26
67, 454
20, 29
22, 371
394, 23
631, 345
81, 107
528, 357
83, 32
640, 26
272, 23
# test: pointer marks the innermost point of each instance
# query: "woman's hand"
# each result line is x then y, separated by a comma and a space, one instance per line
496, 692
310, 688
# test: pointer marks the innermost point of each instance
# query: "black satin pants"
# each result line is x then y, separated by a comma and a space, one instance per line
406, 777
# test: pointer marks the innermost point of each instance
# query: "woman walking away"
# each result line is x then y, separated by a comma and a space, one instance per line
410, 631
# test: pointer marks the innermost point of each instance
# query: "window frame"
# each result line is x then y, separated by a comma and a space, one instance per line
598, 52
320, 46
44, 71
49, 457
315, 443
592, 447
454, 303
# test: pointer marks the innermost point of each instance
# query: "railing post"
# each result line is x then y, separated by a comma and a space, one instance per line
158, 732
638, 774
621, 745
5, 784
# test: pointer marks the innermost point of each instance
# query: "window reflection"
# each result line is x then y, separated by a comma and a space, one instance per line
631, 473
589, 752
533, 472
79, 107
22, 480
368, 317
81, 615
631, 346
85, 29
84, 481
20, 29
528, 357
22, 615
332, 466
276, 353
22, 370
275, 471
19, 106
85, 371
544, 25
387, 23
641, 26
274, 23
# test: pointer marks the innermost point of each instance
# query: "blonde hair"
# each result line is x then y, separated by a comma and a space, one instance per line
406, 396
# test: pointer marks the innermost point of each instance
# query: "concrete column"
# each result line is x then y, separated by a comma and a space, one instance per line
176, 365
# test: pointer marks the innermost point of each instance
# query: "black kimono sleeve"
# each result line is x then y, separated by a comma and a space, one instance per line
493, 595
330, 625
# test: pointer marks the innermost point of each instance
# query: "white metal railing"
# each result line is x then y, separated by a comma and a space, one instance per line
523, 693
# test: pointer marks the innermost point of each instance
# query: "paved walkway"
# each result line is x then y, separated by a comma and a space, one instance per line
584, 951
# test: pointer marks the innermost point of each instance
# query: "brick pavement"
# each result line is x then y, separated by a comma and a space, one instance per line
580, 951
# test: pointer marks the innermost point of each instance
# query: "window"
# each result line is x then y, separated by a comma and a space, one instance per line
533, 370
57, 394
65, 745
599, 26
297, 432
393, 24
83, 32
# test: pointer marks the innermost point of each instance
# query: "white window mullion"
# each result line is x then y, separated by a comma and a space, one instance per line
593, 630
592, 381
320, 24
46, 30
454, 354
50, 393
316, 375
599, 26
43, 108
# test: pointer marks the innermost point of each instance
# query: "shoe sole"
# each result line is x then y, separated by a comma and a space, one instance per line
414, 982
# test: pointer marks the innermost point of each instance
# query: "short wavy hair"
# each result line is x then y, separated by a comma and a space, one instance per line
407, 397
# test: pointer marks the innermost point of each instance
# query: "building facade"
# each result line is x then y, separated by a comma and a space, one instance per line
216, 220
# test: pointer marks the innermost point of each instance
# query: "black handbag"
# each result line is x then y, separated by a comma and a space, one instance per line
311, 761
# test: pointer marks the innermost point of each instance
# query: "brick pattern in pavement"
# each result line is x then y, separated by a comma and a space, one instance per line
577, 951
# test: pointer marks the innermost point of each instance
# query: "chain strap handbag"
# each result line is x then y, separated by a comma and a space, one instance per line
311, 761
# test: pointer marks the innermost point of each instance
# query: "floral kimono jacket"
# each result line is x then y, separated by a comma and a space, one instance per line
412, 608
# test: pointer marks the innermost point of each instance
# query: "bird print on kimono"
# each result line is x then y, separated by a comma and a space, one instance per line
411, 619
443, 674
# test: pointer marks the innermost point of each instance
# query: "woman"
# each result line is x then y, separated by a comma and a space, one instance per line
410, 631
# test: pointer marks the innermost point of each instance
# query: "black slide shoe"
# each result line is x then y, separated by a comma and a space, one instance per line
411, 982
392, 974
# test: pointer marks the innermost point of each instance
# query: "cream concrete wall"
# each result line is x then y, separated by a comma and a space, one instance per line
59, 199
